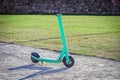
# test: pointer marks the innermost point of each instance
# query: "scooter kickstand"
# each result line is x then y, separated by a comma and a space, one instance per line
42, 62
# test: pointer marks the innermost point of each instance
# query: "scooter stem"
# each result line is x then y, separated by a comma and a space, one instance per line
64, 42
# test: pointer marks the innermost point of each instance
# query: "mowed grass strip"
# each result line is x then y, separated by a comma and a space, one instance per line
88, 35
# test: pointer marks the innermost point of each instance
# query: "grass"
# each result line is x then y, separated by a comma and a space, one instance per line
88, 35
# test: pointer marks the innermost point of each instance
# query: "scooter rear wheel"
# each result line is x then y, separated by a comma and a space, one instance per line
70, 63
35, 55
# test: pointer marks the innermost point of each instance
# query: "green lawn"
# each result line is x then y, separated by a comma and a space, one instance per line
88, 35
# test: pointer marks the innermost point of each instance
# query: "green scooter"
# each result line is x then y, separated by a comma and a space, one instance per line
64, 54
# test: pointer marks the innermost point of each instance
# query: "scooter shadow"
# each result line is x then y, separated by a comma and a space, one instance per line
42, 70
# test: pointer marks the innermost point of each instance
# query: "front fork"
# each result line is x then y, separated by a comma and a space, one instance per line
64, 53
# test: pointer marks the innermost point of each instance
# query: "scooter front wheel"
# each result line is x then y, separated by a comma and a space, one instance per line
35, 55
70, 63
